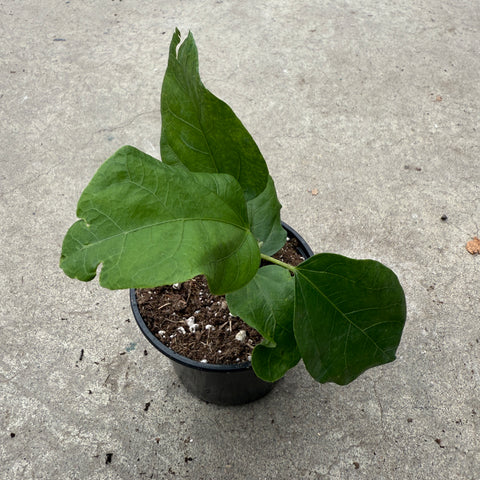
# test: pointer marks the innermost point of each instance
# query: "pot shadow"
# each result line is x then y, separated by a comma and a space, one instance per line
247, 438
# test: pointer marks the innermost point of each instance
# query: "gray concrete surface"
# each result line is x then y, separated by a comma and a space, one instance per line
375, 104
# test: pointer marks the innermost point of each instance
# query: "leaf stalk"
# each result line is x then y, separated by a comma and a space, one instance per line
277, 262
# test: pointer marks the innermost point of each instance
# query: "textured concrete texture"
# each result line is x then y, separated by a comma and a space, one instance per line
374, 104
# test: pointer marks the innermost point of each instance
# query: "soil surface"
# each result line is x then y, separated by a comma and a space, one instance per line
191, 321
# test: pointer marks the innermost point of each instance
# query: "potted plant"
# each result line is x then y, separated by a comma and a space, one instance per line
209, 207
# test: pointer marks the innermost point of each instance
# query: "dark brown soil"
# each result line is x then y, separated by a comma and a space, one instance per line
196, 324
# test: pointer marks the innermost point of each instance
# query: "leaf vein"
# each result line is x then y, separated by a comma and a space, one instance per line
340, 312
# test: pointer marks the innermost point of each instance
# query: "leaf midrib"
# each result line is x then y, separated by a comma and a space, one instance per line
127, 232
196, 95
343, 315
197, 112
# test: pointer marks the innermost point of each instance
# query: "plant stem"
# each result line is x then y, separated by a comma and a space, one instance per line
277, 262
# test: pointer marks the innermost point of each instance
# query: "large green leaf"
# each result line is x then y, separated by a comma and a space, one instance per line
264, 215
349, 316
152, 224
201, 131
266, 303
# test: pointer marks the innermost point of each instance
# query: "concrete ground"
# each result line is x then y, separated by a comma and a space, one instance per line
374, 104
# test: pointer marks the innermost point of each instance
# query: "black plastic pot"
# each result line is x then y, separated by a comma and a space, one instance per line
220, 384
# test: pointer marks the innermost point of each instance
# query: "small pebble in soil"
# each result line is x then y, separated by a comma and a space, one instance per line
203, 360
181, 330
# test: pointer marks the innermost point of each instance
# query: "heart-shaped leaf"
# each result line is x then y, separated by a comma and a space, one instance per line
264, 215
349, 316
152, 224
201, 131
266, 304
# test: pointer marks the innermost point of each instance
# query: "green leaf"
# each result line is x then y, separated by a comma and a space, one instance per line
349, 316
266, 304
264, 215
199, 130
152, 224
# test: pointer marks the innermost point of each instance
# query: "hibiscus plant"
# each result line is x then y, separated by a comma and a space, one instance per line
210, 207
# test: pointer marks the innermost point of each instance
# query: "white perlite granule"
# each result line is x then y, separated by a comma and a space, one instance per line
192, 326
241, 336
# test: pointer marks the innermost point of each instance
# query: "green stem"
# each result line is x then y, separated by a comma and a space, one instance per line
277, 262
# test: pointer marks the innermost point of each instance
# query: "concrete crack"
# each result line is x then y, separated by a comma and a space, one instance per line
125, 123
380, 407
